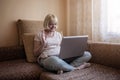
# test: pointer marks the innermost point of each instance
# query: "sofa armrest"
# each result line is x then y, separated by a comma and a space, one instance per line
105, 53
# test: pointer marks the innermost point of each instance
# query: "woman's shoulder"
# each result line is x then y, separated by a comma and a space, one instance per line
40, 32
58, 34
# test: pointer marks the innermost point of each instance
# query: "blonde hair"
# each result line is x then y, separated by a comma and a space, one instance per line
49, 18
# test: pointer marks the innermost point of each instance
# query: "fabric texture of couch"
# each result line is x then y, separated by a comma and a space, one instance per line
15, 65
105, 65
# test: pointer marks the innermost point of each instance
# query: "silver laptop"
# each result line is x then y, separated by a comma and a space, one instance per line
73, 46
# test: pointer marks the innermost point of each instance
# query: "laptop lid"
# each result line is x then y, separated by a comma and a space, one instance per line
73, 46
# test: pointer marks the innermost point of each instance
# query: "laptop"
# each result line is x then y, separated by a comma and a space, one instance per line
73, 46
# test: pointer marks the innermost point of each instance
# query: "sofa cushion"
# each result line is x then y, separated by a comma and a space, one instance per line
19, 70
28, 26
28, 41
94, 72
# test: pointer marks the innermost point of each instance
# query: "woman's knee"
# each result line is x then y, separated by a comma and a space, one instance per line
87, 54
55, 63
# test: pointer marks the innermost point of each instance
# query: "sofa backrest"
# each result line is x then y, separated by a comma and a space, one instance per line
11, 53
105, 53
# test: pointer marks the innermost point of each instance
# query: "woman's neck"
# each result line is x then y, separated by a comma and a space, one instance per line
49, 33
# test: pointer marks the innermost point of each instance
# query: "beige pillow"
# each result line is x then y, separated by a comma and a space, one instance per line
28, 26
28, 41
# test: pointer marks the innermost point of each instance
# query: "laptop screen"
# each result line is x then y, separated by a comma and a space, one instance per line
73, 46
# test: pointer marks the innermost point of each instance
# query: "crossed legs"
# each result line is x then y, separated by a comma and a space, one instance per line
54, 63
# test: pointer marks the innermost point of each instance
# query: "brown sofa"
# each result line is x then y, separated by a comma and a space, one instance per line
105, 65
17, 62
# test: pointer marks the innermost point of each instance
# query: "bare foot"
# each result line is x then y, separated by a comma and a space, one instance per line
84, 65
60, 72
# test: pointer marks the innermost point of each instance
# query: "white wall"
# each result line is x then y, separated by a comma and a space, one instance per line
12, 10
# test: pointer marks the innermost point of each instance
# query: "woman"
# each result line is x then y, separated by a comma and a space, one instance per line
47, 48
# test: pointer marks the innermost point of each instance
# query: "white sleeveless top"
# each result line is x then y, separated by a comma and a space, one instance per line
51, 44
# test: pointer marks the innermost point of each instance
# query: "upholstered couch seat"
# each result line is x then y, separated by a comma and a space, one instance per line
14, 66
19, 70
95, 72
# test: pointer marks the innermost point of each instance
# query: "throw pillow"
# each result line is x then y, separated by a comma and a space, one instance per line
28, 41
28, 26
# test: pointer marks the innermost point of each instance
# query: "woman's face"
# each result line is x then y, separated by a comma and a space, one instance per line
52, 26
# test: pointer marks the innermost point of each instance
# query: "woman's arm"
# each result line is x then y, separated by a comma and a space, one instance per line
38, 46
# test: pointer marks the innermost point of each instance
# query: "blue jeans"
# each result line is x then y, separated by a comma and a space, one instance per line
54, 63
80, 60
